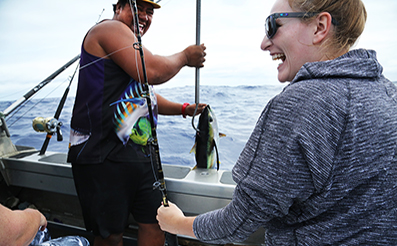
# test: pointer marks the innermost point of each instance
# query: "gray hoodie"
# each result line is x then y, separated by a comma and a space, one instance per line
320, 166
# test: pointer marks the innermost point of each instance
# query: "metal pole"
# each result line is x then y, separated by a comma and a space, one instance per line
197, 78
198, 27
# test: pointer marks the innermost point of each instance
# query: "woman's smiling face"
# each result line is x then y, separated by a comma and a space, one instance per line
292, 44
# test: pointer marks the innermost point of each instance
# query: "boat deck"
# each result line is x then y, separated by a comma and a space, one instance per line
47, 182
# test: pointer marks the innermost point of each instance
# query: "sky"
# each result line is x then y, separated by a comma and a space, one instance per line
38, 37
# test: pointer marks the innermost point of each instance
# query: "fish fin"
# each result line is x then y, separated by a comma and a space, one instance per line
217, 156
193, 148
221, 135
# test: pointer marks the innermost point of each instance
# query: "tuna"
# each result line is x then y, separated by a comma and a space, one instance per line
206, 141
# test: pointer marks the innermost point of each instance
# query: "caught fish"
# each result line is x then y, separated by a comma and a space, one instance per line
207, 137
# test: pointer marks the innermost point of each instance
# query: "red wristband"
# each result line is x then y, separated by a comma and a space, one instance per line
184, 109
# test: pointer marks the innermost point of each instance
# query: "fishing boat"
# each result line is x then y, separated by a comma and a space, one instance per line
44, 179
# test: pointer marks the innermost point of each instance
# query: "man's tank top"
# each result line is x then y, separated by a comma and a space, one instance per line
110, 118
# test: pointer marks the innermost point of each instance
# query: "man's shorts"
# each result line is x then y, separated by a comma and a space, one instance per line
110, 191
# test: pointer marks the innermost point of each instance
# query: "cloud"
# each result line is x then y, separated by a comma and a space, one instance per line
40, 36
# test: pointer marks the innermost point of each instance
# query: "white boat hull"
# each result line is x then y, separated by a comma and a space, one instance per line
49, 175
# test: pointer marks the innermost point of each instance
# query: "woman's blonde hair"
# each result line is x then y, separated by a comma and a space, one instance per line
350, 16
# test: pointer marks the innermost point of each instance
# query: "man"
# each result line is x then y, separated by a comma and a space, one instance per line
109, 127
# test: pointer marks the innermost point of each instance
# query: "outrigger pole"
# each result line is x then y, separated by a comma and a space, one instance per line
38, 87
197, 77
170, 239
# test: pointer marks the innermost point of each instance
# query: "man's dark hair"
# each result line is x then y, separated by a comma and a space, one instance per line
122, 3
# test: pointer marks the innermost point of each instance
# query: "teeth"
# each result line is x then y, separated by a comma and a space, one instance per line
278, 56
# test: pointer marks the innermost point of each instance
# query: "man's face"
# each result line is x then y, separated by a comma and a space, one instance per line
145, 15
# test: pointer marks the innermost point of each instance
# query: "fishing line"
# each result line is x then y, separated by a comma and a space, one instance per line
34, 105
157, 182
100, 15
121, 49
164, 3
136, 51
104, 57
147, 94
194, 114
170, 239
12, 95
57, 114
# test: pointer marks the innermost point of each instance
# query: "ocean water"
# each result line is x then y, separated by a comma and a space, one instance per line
237, 109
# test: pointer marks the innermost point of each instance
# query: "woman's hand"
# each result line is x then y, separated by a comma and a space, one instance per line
170, 217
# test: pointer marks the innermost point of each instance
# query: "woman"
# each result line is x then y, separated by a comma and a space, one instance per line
320, 165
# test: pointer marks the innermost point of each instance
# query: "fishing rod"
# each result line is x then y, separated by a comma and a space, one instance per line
171, 239
197, 75
38, 87
53, 125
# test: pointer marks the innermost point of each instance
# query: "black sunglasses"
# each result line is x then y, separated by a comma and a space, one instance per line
271, 25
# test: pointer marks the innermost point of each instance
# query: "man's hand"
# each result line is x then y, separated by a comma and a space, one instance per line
195, 55
192, 107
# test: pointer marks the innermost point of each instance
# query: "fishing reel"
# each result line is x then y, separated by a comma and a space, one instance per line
49, 125
3, 125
